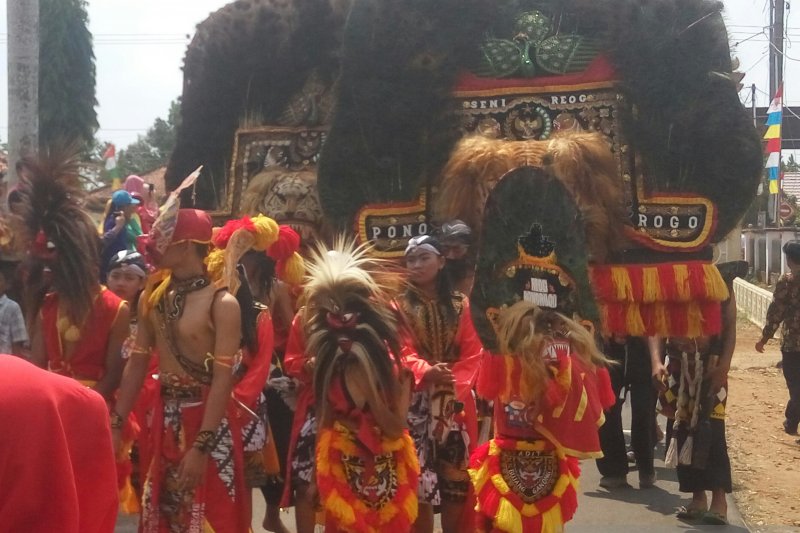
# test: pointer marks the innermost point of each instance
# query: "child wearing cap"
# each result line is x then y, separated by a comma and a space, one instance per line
120, 228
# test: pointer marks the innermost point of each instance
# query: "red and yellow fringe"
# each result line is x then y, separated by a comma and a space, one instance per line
673, 299
344, 507
507, 511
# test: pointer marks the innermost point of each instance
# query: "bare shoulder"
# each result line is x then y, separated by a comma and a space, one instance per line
225, 304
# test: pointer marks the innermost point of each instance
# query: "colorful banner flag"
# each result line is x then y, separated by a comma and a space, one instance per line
773, 138
112, 172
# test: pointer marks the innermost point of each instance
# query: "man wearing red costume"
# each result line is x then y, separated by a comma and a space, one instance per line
442, 418
195, 480
80, 327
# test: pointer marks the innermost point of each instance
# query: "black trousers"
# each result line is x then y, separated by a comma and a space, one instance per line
791, 372
633, 370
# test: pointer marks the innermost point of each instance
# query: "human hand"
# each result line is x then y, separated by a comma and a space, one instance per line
439, 374
659, 376
760, 346
191, 469
718, 377
308, 366
119, 219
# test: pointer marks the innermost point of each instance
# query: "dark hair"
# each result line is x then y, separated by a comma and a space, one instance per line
444, 285
792, 251
455, 230
247, 304
264, 270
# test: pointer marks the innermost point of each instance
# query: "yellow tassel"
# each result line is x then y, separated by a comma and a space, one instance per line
215, 264
500, 484
339, 506
529, 510
295, 270
411, 506
661, 319
480, 476
157, 285
622, 284
508, 518
552, 521
651, 285
694, 319
716, 289
388, 512
682, 282
266, 232
633, 321
561, 486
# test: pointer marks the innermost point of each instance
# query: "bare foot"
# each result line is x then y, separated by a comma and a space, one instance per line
272, 521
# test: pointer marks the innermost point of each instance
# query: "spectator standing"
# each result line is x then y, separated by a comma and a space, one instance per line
120, 228
785, 310
631, 374
13, 334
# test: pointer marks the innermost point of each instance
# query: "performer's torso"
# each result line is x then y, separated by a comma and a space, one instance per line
84, 359
434, 326
190, 327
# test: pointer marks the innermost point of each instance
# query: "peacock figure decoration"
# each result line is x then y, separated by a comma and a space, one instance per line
536, 49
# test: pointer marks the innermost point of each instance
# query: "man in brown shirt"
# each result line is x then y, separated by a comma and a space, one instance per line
785, 309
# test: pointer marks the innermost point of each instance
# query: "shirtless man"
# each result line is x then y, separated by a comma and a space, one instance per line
195, 478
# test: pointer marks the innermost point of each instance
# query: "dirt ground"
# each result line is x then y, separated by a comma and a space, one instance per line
764, 459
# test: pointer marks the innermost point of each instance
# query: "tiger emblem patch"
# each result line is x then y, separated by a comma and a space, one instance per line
374, 484
530, 474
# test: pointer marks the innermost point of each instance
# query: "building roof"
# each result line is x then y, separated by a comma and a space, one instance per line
791, 183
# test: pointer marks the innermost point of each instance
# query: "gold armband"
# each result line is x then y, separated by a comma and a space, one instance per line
227, 361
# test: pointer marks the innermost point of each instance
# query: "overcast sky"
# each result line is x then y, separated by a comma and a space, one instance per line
140, 44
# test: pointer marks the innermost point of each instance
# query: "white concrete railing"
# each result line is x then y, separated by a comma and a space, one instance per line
753, 301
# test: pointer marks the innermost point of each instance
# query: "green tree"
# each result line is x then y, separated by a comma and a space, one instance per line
66, 75
153, 149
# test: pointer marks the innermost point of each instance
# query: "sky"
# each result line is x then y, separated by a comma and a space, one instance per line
140, 44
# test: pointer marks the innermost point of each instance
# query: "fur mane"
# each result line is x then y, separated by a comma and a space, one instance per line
340, 286
583, 162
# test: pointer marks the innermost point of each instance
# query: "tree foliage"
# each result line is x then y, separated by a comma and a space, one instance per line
67, 97
153, 149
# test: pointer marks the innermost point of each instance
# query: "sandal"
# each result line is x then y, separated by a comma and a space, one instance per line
690, 513
714, 519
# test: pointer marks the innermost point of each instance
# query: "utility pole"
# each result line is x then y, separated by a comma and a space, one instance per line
776, 32
753, 104
23, 81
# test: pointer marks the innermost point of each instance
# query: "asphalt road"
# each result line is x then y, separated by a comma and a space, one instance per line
629, 510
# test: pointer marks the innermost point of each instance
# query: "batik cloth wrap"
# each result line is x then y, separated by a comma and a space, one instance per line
221, 502
362, 492
444, 435
524, 486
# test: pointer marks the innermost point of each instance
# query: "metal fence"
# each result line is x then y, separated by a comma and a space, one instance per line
752, 301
